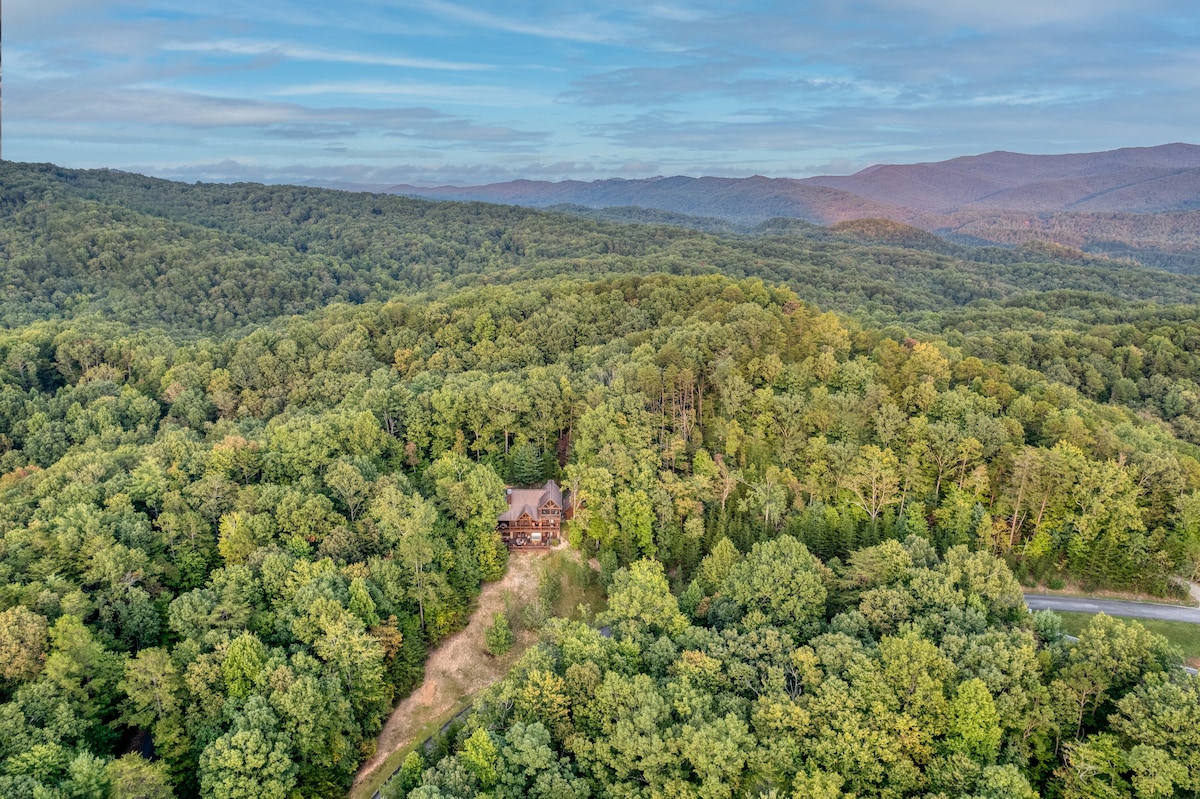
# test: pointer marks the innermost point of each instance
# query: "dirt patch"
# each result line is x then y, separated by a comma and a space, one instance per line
460, 666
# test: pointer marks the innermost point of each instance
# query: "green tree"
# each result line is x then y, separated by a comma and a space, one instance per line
1106, 662
407, 779
244, 665
474, 495
87, 778
527, 466
354, 658
640, 601
1160, 721
407, 524
874, 481
153, 685
361, 603
237, 537
499, 637
317, 715
23, 639
250, 761
481, 756
1094, 768
132, 777
781, 580
636, 518
349, 486
81, 667
974, 728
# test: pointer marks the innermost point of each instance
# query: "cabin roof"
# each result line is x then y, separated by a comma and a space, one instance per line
531, 501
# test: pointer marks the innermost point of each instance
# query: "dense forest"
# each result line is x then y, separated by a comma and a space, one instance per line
215, 258
900, 673
253, 442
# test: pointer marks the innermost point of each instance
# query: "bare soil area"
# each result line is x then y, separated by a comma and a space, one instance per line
460, 666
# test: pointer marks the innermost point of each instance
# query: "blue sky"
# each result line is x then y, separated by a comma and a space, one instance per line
464, 91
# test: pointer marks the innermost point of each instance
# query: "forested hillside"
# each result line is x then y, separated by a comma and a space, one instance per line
214, 257
254, 442
899, 674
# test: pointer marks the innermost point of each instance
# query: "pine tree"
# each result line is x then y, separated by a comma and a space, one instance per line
499, 636
528, 469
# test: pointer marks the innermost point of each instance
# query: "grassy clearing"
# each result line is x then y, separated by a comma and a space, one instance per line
580, 594
536, 585
454, 672
1182, 634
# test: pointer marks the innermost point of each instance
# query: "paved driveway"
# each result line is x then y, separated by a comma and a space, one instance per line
1139, 610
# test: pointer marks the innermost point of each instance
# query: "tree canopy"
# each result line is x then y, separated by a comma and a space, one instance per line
253, 442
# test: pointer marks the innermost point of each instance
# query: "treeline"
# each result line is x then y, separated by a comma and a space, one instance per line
896, 674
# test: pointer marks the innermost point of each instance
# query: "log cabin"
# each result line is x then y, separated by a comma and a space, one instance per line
534, 516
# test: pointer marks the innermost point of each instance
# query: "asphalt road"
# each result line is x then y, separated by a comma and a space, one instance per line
1139, 610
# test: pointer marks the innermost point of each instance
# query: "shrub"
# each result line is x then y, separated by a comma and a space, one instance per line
499, 637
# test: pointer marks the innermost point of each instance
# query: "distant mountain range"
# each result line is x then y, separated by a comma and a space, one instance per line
1140, 179
743, 200
1141, 202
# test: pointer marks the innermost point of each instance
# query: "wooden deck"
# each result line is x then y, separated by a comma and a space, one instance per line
523, 541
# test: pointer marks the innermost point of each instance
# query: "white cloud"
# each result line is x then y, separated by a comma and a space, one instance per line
26, 14
484, 95
302, 53
172, 108
577, 28
1018, 14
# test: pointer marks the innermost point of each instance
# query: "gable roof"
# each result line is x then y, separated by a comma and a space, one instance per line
531, 500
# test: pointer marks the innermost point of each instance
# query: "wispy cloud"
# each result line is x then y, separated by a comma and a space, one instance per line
778, 133
1019, 14
303, 53
479, 95
575, 28
31, 14
671, 85
150, 106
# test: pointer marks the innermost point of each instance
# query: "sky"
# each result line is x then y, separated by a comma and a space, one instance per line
464, 92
